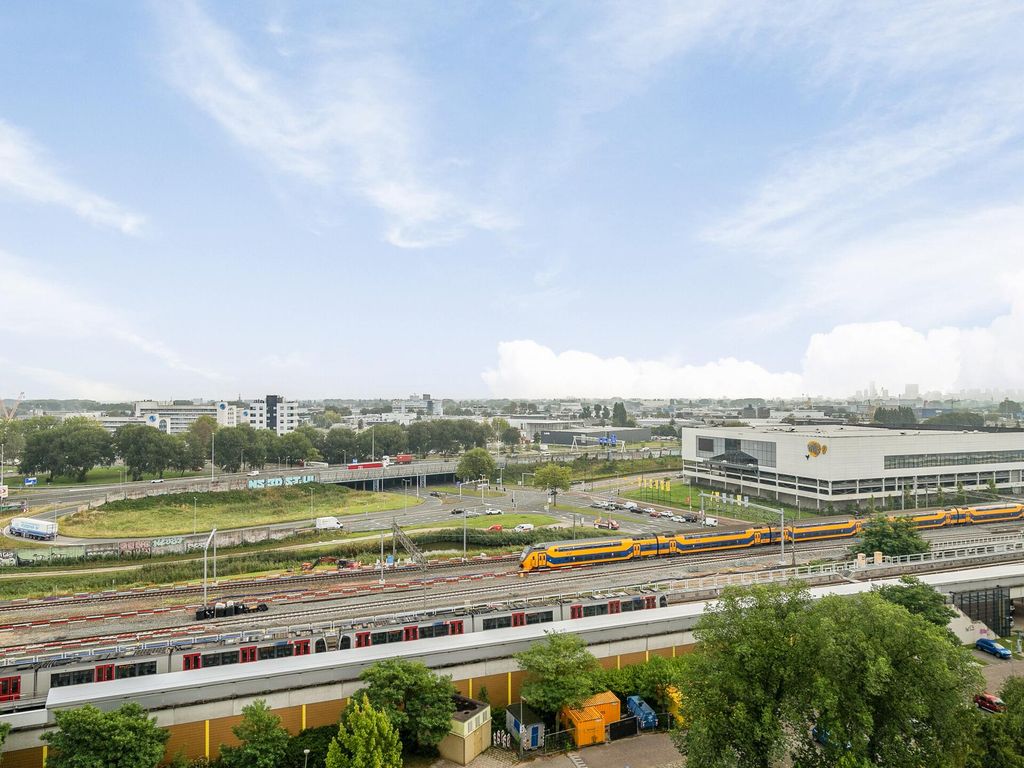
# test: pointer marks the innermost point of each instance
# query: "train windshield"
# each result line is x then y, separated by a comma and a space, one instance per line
522, 557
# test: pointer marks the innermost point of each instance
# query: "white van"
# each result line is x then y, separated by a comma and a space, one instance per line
329, 524
711, 522
630, 505
523, 527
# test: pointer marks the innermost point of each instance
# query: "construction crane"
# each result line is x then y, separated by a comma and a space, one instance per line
7, 414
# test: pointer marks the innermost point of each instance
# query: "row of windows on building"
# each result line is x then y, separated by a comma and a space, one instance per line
916, 460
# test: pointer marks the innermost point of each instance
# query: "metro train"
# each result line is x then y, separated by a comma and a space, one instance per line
27, 680
564, 554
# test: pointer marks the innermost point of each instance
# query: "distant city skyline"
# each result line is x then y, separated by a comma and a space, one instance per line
663, 199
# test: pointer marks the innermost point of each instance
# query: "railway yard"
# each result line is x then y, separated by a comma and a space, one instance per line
68, 639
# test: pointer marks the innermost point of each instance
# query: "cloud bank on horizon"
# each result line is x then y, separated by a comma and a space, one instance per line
885, 353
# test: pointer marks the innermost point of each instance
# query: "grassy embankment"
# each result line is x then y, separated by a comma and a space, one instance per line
181, 513
687, 497
467, 492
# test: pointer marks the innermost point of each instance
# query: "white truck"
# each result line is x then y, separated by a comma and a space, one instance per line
710, 522
44, 530
329, 524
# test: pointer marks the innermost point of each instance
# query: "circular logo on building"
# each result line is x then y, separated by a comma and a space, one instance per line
222, 406
814, 448
151, 418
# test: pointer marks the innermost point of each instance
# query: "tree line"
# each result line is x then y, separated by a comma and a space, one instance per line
74, 446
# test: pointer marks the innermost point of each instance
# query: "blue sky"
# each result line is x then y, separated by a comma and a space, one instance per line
510, 199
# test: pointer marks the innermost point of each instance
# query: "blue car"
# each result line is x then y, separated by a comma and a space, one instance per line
991, 646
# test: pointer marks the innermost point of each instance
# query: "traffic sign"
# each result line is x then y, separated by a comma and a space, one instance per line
30, 481
3, 491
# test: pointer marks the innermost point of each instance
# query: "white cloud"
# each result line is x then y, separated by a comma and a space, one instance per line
836, 363
351, 120
25, 171
43, 312
62, 384
528, 369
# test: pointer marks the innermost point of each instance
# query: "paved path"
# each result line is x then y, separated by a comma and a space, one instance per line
654, 750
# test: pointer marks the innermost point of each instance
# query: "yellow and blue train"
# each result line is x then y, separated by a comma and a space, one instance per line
563, 554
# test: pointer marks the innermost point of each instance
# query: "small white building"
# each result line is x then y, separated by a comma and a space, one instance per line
840, 465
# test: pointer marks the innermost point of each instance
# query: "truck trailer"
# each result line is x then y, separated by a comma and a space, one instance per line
43, 530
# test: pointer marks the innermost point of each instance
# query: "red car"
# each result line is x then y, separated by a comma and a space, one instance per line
989, 702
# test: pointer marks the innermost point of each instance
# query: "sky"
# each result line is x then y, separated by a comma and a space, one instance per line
515, 199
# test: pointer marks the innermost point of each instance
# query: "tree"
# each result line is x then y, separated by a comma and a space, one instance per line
418, 702
420, 437
498, 425
959, 419
743, 677
144, 449
476, 463
316, 740
264, 741
382, 440
553, 477
88, 738
560, 672
42, 453
5, 728
366, 739
892, 536
893, 692
297, 446
919, 598
882, 687
605, 413
586, 411
85, 444
1009, 407
619, 416
510, 437
339, 445
903, 416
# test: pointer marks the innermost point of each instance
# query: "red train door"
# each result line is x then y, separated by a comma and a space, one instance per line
518, 619
614, 606
104, 672
192, 661
247, 654
411, 633
301, 647
10, 688
362, 639
456, 626
576, 612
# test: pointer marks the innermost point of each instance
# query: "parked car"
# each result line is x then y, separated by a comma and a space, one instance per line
158, 480
495, 528
611, 525
991, 646
523, 527
654, 513
646, 510
254, 473
472, 514
436, 494
678, 519
493, 511
458, 511
597, 505
666, 513
989, 702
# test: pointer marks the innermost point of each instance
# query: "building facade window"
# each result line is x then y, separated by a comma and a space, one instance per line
917, 460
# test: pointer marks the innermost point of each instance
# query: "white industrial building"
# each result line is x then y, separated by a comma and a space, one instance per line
172, 418
820, 465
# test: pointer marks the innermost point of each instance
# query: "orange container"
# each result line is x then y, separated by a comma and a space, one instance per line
608, 704
586, 725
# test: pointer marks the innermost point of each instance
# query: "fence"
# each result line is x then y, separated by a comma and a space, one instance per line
562, 741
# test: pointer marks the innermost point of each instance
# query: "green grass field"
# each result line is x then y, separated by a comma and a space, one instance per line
96, 476
470, 491
173, 513
687, 497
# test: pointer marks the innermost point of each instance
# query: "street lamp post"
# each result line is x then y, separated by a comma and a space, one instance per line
305, 758
206, 547
213, 456
195, 511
